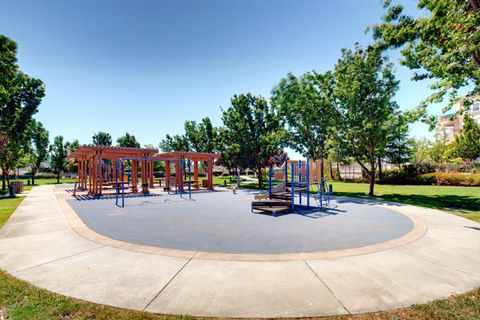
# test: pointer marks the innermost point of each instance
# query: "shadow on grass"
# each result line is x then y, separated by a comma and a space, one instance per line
444, 202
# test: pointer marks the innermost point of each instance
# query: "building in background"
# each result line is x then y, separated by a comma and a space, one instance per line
450, 125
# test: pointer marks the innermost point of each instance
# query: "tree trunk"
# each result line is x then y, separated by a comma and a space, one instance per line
4, 180
338, 170
58, 178
34, 171
380, 173
372, 178
331, 170
259, 176
238, 177
322, 169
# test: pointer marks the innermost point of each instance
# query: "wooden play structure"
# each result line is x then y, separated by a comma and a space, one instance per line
292, 182
98, 169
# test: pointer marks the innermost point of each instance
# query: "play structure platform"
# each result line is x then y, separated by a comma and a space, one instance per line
281, 198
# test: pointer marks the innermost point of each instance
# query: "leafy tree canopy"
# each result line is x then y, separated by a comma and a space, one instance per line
102, 139
364, 88
442, 45
254, 129
467, 143
306, 106
38, 147
174, 143
128, 140
59, 151
20, 95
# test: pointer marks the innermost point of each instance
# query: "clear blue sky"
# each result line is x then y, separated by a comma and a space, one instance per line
147, 66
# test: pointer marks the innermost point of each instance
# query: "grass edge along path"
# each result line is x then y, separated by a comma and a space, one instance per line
7, 207
23, 301
461, 201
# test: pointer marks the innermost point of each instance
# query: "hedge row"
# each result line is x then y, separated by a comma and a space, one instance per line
450, 179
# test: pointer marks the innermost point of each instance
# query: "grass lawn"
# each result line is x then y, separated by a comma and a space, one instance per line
38, 182
462, 201
7, 207
22, 301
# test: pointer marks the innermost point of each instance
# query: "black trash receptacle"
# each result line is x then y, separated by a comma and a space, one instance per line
11, 190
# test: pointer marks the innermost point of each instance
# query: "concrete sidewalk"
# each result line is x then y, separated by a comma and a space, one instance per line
39, 245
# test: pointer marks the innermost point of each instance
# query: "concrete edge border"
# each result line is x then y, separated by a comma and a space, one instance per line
419, 229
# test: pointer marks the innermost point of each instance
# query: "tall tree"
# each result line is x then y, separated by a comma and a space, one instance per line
39, 147
443, 44
11, 155
59, 152
201, 136
174, 143
398, 147
102, 139
128, 140
305, 105
20, 97
72, 164
253, 126
365, 86
467, 143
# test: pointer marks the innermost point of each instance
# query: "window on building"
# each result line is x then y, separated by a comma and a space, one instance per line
476, 106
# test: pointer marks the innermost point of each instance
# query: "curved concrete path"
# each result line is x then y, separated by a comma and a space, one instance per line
44, 245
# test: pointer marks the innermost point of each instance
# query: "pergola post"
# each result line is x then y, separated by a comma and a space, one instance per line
79, 175
210, 174
178, 175
91, 175
134, 175
98, 173
195, 173
151, 173
114, 167
167, 174
317, 166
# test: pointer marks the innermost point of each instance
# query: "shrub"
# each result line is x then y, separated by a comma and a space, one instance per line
450, 179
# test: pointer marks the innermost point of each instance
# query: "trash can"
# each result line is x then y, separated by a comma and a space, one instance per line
145, 188
11, 190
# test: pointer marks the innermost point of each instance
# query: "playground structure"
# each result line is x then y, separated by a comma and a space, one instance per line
291, 183
101, 169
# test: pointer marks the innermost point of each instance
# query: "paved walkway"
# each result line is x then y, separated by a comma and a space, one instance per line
44, 244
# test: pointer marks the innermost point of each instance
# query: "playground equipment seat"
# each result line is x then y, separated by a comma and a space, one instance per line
272, 206
279, 201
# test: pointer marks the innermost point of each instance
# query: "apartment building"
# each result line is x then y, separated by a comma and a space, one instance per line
449, 127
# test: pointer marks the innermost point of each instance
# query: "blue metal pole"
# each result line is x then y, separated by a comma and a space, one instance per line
300, 179
116, 182
293, 186
308, 183
123, 185
189, 180
270, 171
180, 187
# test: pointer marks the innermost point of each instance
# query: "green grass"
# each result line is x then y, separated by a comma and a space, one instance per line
39, 182
7, 207
462, 201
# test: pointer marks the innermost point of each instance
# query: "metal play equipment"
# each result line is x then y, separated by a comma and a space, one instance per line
290, 186
179, 189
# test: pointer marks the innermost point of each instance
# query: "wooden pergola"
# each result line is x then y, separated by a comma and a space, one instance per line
195, 158
92, 175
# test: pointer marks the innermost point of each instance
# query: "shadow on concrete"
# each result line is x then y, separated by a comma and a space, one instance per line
474, 228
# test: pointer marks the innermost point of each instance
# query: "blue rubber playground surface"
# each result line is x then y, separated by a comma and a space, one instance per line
222, 222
